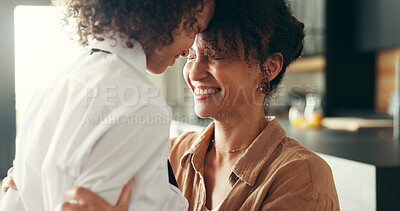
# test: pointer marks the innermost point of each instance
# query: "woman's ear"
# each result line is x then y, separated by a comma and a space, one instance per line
274, 63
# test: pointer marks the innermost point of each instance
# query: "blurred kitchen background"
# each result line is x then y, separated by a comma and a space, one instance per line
338, 99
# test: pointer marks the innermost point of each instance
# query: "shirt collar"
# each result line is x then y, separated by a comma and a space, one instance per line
249, 165
134, 56
197, 152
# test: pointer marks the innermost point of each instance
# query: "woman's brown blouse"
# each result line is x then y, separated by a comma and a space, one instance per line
275, 173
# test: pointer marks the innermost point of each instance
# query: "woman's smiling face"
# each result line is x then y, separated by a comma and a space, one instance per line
221, 83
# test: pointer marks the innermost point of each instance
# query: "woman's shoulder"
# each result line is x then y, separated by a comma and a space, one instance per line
299, 175
293, 151
298, 161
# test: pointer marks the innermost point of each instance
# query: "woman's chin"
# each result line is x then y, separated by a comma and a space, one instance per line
202, 113
208, 113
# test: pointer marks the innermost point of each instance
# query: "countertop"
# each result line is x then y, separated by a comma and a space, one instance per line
371, 146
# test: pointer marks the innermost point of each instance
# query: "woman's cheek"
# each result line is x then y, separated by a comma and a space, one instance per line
186, 71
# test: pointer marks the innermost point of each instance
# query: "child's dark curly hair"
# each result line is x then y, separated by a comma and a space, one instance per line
265, 26
151, 22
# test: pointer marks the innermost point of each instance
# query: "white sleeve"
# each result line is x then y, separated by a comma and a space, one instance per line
11, 201
126, 150
131, 150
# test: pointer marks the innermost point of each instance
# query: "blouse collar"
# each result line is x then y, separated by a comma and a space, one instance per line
250, 163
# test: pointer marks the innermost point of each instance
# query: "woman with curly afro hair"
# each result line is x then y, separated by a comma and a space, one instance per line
243, 159
101, 121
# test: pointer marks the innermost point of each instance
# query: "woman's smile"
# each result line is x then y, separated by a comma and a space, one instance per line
204, 92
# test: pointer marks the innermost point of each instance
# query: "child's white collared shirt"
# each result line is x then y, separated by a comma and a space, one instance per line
100, 123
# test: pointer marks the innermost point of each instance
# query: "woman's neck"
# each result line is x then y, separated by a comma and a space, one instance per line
236, 133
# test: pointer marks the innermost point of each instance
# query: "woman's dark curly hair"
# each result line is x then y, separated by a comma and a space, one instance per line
151, 22
265, 27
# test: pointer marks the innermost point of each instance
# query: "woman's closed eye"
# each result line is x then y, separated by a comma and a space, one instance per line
218, 58
216, 55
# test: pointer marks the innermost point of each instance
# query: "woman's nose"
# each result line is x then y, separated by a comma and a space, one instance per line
198, 70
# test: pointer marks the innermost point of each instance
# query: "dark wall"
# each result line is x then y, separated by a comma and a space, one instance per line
350, 72
379, 24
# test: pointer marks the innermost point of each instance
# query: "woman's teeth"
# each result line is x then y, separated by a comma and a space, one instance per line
205, 91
